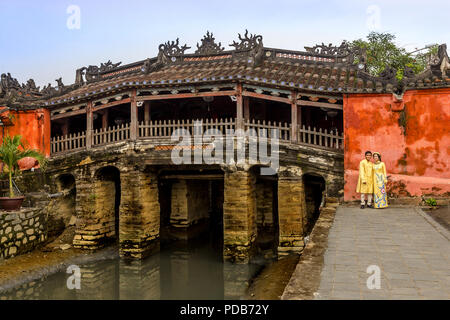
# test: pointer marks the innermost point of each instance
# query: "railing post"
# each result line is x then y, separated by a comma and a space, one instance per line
294, 115
89, 125
133, 125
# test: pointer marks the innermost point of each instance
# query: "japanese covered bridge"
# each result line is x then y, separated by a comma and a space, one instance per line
110, 139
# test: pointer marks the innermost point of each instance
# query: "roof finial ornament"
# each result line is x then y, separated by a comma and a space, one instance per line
251, 46
330, 50
172, 48
247, 43
209, 46
168, 52
442, 63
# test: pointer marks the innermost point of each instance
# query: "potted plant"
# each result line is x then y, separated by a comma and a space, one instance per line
11, 151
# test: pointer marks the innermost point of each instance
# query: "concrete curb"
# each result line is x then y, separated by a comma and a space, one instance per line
444, 232
306, 278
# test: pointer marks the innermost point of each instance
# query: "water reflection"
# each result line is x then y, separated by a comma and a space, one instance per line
182, 270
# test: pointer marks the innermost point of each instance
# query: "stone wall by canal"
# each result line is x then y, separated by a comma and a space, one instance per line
21, 231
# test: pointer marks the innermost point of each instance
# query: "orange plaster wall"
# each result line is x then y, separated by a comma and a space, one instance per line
33, 126
418, 159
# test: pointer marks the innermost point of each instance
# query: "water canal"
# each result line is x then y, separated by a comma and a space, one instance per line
181, 270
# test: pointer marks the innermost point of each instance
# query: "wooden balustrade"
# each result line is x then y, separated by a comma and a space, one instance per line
269, 129
166, 128
111, 134
71, 142
321, 138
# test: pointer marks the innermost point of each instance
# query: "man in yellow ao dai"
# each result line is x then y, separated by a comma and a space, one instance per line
365, 180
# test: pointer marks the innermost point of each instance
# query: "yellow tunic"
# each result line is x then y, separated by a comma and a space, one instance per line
365, 180
380, 180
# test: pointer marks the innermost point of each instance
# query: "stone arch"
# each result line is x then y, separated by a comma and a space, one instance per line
107, 190
315, 192
65, 181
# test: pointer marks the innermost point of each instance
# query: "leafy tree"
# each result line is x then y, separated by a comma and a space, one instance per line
381, 51
11, 151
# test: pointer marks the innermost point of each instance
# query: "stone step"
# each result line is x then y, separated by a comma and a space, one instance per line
332, 205
332, 200
328, 210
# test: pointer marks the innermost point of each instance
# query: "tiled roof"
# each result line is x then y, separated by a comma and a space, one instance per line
318, 69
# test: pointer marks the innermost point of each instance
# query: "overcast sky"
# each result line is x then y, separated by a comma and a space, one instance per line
47, 39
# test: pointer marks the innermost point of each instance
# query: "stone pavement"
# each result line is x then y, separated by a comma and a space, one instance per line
412, 254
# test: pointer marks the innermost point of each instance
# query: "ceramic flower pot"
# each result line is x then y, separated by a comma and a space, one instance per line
10, 204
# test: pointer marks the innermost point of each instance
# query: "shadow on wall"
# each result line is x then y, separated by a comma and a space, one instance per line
314, 190
62, 209
107, 200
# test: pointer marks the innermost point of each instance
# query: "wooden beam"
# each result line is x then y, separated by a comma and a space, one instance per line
68, 114
319, 104
187, 95
266, 97
111, 104
133, 116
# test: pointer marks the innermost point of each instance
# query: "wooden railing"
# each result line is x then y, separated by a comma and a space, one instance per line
268, 129
321, 138
71, 142
165, 129
111, 134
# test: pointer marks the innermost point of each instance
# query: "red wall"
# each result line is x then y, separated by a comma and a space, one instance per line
416, 155
33, 126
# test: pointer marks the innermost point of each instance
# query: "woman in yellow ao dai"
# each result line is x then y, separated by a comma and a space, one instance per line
380, 180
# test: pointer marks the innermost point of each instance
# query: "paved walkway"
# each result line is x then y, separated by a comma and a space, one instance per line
412, 255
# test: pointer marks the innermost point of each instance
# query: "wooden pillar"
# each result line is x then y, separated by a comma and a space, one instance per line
105, 119
294, 115
134, 122
147, 111
246, 108
65, 127
264, 112
239, 108
89, 125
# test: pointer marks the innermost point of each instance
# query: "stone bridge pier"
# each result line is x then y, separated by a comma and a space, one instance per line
139, 213
117, 203
239, 215
291, 210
